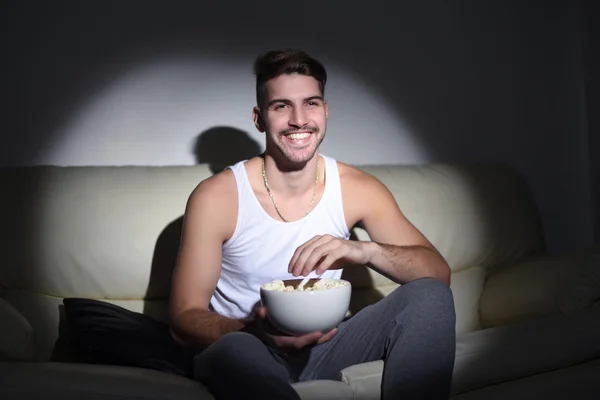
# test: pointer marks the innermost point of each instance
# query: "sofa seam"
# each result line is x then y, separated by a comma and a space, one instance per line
19, 289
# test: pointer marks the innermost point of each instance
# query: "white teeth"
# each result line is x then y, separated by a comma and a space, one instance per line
298, 136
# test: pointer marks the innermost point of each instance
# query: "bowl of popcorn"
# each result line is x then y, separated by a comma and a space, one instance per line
318, 305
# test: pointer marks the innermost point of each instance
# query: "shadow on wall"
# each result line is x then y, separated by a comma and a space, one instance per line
218, 147
222, 146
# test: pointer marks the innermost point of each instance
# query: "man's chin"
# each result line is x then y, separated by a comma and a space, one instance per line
292, 165
295, 162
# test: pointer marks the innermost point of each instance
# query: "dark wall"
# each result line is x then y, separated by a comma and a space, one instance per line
591, 40
474, 80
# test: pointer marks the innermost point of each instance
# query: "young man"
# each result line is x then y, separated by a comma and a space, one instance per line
286, 214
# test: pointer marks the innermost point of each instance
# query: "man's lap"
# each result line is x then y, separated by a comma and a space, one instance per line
361, 338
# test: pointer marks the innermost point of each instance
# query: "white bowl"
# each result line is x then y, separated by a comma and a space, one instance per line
297, 313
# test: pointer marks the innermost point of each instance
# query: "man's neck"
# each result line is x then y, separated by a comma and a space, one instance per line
291, 183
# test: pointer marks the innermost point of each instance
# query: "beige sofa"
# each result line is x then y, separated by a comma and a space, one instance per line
111, 233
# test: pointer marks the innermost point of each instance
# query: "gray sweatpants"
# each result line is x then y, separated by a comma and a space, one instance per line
412, 330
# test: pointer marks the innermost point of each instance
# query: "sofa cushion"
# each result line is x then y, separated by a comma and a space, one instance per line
68, 381
466, 284
94, 232
527, 289
16, 335
104, 333
578, 382
501, 354
323, 390
68, 231
480, 214
364, 379
582, 289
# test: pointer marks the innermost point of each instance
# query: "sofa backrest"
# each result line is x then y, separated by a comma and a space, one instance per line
480, 216
112, 233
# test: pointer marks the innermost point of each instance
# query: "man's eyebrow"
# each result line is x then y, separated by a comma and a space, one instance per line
314, 98
286, 101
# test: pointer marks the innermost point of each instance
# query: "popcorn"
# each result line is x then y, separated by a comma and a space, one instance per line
321, 284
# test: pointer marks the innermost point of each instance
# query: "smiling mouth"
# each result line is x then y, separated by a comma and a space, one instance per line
298, 136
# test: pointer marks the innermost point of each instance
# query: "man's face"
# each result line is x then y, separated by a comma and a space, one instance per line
294, 117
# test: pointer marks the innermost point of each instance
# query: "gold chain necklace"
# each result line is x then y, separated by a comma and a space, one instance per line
312, 202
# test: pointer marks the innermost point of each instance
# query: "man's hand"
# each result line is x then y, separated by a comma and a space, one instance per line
265, 331
327, 252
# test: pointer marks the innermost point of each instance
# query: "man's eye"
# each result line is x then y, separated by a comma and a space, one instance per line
279, 106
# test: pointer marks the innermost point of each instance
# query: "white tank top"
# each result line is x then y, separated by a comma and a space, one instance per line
261, 247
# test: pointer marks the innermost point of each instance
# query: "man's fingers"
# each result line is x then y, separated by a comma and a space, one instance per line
322, 257
299, 251
305, 340
262, 312
299, 342
328, 336
314, 251
329, 260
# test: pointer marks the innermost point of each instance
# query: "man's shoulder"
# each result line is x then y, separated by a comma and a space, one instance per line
351, 176
214, 202
217, 189
361, 188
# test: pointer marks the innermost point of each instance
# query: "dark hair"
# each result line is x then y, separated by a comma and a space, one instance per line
273, 63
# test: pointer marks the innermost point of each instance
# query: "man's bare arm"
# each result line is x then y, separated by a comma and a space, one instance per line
209, 220
404, 263
398, 249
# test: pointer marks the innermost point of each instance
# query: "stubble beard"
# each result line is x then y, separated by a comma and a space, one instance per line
286, 160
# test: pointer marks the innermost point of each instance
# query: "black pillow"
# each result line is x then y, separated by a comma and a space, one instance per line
103, 333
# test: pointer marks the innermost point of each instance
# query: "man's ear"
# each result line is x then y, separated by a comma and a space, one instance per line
258, 119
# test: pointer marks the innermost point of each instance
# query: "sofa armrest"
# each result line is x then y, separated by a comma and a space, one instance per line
16, 335
364, 379
506, 353
526, 289
492, 356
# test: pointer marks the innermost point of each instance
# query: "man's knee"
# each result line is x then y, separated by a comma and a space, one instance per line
232, 347
233, 344
429, 296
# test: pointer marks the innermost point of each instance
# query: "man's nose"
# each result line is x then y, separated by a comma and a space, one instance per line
298, 118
